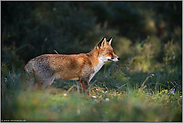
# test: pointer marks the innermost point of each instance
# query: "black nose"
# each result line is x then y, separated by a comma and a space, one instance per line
118, 58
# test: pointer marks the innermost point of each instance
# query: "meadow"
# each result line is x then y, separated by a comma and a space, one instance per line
115, 95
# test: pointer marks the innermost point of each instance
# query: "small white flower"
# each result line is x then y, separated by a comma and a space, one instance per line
106, 99
172, 91
94, 97
65, 95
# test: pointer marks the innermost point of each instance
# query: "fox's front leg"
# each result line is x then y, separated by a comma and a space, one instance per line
85, 85
85, 76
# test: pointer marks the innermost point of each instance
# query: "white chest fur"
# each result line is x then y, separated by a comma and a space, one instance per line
97, 68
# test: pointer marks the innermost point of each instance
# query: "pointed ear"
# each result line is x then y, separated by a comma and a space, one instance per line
110, 40
102, 43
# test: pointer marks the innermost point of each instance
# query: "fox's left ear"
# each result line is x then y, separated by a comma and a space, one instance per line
102, 43
110, 40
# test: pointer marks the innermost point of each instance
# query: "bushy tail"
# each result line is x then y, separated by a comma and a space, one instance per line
27, 78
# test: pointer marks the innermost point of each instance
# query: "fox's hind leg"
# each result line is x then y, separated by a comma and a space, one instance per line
44, 76
45, 82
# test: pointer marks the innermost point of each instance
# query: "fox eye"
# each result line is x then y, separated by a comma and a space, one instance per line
110, 53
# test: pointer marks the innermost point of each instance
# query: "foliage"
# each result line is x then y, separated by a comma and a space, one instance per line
46, 26
42, 27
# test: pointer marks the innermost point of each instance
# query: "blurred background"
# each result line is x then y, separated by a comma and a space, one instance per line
147, 35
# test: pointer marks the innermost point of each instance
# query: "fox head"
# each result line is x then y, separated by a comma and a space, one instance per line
106, 52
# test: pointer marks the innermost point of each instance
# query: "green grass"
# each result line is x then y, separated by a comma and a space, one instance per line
119, 96
133, 105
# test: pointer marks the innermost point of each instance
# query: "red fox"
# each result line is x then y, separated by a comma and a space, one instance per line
44, 69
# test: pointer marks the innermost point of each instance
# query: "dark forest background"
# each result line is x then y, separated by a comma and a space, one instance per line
149, 29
